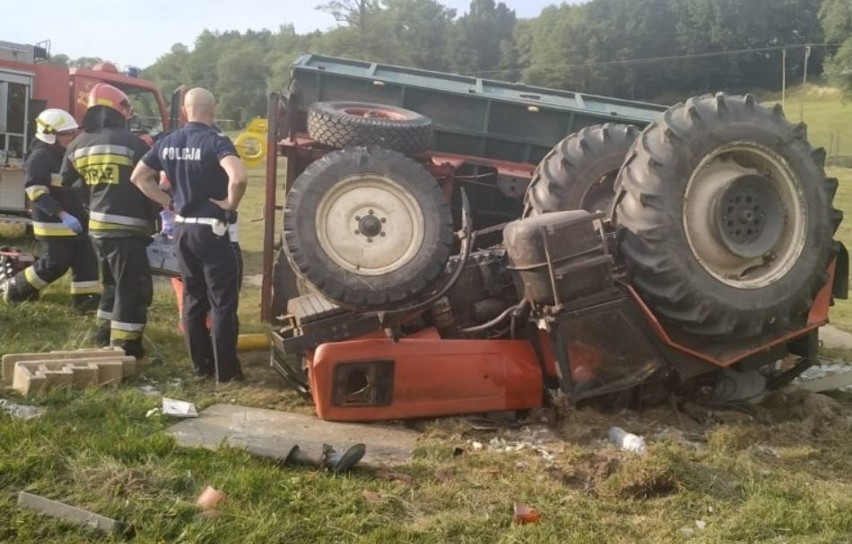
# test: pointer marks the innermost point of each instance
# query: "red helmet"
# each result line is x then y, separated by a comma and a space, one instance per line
103, 94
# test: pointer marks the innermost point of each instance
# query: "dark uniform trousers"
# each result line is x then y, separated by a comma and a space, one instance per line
59, 253
210, 269
127, 292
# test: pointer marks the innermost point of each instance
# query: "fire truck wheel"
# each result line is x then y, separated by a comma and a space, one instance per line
344, 124
727, 217
579, 173
368, 228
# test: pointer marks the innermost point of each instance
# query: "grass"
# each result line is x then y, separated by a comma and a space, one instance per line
784, 476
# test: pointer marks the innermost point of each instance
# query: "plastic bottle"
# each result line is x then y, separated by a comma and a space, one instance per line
626, 441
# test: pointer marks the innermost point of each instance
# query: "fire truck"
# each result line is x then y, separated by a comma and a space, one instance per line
30, 84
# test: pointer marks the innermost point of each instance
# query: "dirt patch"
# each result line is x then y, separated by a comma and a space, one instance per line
642, 478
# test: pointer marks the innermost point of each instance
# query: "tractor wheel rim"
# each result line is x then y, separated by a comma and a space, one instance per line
744, 216
370, 225
374, 113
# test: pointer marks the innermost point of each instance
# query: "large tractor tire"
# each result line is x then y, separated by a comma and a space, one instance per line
344, 124
368, 228
579, 173
727, 217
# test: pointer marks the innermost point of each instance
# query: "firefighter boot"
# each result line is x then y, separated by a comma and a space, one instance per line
18, 289
86, 304
101, 336
133, 348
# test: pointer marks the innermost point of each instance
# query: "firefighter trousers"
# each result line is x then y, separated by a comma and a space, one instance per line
210, 269
127, 292
58, 255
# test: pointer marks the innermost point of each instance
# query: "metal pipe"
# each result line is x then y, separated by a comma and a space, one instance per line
269, 206
511, 311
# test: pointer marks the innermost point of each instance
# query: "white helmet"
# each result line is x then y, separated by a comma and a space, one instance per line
51, 121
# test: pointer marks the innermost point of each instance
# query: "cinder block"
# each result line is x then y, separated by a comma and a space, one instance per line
29, 381
110, 372
37, 377
85, 375
34, 377
10, 359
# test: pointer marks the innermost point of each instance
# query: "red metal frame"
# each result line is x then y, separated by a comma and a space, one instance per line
817, 317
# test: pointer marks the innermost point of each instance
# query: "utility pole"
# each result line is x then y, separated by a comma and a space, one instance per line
783, 77
804, 84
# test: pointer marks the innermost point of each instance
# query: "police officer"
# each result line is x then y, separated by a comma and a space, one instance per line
209, 181
59, 220
121, 219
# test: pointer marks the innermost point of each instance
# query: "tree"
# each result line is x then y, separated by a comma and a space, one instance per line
59, 59
356, 14
478, 37
836, 17
241, 83
417, 31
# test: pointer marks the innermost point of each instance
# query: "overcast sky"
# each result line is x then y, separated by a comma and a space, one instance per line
137, 32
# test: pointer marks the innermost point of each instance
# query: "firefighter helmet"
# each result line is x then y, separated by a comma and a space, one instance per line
52, 121
103, 94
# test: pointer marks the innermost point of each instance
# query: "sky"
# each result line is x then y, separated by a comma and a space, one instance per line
137, 32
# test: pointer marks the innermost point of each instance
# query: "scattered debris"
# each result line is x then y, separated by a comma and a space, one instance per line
68, 513
767, 450
688, 532
443, 475
210, 498
527, 439
152, 412
827, 376
149, 391
21, 411
626, 441
179, 408
526, 514
372, 497
387, 474
701, 524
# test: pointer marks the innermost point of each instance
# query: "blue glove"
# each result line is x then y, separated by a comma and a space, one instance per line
71, 222
168, 220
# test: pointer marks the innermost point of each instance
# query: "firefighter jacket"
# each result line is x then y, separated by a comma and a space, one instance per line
47, 195
104, 160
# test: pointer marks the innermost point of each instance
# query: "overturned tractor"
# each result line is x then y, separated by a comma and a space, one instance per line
693, 258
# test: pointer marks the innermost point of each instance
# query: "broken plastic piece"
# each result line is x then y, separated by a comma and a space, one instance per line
210, 498
179, 408
626, 441
526, 514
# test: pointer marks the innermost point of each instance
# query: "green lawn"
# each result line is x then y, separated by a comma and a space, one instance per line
784, 477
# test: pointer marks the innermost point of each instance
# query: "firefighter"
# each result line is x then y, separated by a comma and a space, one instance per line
121, 219
209, 181
59, 220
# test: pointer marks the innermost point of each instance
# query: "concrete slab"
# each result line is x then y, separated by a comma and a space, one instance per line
833, 337
273, 433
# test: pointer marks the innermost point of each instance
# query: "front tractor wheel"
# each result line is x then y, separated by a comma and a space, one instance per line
368, 228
